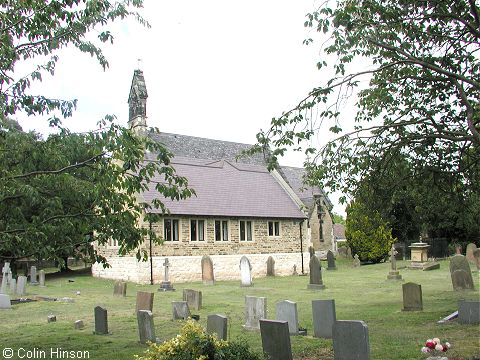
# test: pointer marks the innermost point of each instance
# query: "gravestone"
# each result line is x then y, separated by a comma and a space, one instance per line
412, 297
245, 272
208, 277
476, 256
393, 274
101, 320
270, 266
323, 312
78, 325
350, 340
287, 311
146, 328
193, 298
316, 282
469, 312
5, 271
9, 276
471, 247
51, 318
120, 288
356, 261
180, 310
311, 251
144, 301
21, 285
331, 261
5, 302
13, 286
255, 309
275, 340
33, 275
41, 278
460, 273
217, 324
294, 273
166, 284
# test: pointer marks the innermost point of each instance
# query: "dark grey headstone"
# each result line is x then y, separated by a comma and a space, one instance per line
350, 340
412, 297
101, 321
78, 325
270, 266
120, 288
287, 311
331, 261
33, 275
193, 298
323, 312
208, 277
316, 282
144, 301
469, 312
146, 328
275, 340
462, 280
217, 324
51, 318
180, 310
255, 309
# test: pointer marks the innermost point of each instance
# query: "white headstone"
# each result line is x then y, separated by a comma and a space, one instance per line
21, 285
255, 309
245, 272
287, 311
41, 277
5, 302
13, 286
5, 270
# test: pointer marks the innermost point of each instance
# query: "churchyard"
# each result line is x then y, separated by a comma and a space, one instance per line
360, 293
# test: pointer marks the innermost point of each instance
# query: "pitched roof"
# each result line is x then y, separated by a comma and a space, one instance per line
229, 189
339, 231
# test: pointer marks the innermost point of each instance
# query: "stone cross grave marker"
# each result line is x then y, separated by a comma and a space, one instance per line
144, 301
287, 311
5, 302
208, 277
275, 340
412, 297
294, 273
245, 272
193, 298
146, 328
255, 309
356, 261
323, 312
350, 340
33, 275
21, 285
217, 324
469, 252
41, 278
101, 320
166, 285
180, 310
331, 261
469, 312
460, 273
5, 270
120, 288
270, 266
393, 274
316, 282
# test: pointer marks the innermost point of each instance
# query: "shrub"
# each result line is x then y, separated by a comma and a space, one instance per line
368, 235
193, 343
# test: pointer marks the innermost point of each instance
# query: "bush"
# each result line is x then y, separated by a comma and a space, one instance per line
368, 235
193, 343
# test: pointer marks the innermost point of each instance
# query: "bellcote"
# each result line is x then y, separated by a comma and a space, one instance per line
137, 101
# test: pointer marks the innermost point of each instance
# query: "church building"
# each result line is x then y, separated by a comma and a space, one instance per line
240, 208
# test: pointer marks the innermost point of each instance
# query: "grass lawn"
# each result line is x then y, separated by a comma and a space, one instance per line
360, 294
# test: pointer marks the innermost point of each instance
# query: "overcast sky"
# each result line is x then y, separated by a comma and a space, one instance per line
214, 68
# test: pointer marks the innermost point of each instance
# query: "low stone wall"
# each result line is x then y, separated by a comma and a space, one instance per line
188, 268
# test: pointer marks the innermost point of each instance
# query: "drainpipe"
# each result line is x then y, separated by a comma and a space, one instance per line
301, 244
151, 259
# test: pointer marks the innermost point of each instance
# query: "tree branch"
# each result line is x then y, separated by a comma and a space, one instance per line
470, 111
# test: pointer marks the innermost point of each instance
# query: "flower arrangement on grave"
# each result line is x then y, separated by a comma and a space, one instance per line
435, 347
193, 343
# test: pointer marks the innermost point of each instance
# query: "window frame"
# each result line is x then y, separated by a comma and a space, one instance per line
246, 222
222, 233
172, 222
197, 233
276, 228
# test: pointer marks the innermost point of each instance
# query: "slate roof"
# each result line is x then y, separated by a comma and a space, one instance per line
339, 231
228, 189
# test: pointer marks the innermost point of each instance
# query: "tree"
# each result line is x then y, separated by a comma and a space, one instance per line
422, 99
368, 235
338, 219
59, 194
